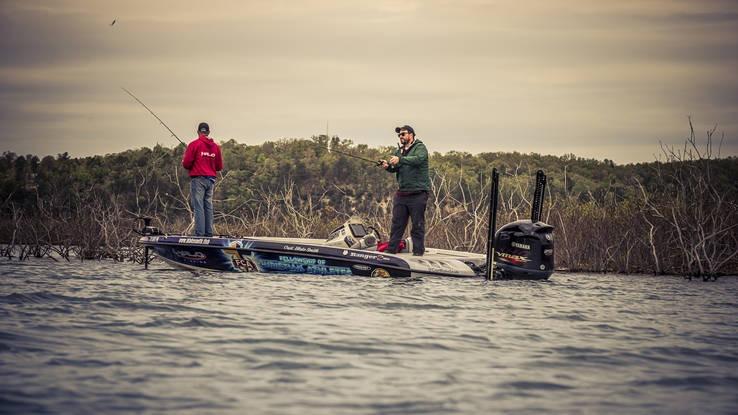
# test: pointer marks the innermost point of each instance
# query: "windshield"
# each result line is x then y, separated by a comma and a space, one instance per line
357, 230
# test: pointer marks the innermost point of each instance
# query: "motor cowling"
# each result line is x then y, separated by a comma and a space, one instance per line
524, 250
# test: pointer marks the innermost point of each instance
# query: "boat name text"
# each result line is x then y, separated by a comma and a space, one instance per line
301, 249
203, 241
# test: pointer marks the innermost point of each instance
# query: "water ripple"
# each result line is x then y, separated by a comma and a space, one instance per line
104, 337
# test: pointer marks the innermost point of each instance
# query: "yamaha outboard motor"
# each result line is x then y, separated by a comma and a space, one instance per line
524, 249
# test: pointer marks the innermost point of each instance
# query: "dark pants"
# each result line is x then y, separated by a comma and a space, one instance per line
406, 207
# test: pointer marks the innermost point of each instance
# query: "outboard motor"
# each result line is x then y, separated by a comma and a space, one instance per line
524, 250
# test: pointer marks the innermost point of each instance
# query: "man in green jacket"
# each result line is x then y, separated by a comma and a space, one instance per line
410, 165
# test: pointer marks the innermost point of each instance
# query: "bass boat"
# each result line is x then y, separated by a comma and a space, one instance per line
521, 250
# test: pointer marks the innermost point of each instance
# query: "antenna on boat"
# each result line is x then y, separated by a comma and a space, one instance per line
492, 222
537, 208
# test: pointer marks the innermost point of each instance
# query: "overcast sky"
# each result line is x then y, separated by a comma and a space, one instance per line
598, 79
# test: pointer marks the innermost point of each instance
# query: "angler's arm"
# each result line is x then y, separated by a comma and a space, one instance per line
189, 157
218, 160
419, 157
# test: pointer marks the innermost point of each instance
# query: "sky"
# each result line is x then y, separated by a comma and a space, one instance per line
599, 79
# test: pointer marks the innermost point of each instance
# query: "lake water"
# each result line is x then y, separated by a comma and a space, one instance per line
102, 337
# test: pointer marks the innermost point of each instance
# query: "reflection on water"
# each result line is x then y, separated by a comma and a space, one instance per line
100, 337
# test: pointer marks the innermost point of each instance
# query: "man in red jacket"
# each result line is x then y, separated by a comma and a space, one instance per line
202, 158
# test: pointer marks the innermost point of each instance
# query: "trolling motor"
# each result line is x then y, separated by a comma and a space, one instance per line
523, 249
147, 229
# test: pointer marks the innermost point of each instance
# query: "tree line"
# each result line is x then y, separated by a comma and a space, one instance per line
677, 215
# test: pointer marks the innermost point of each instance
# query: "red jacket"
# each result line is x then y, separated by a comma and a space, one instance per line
202, 157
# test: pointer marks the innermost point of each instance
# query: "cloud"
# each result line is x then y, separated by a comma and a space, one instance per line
600, 79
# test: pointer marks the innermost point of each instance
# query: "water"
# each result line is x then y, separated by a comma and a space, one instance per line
100, 337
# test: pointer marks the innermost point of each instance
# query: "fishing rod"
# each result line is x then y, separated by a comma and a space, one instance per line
152, 113
375, 162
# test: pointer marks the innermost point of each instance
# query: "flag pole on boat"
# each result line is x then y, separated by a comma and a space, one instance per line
152, 113
492, 224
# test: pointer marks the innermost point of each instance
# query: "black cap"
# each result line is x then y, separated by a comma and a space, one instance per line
407, 128
203, 128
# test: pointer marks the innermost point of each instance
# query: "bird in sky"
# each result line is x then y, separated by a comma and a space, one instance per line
114, 20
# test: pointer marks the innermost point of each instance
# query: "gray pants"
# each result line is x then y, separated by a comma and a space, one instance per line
408, 207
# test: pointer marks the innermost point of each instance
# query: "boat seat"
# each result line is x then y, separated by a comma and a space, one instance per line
406, 245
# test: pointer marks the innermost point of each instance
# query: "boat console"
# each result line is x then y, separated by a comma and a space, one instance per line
354, 234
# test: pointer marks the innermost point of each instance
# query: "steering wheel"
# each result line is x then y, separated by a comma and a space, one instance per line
375, 231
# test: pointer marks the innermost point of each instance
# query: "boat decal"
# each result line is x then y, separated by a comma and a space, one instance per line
301, 260
301, 265
363, 255
191, 256
380, 272
202, 241
298, 248
244, 264
361, 267
512, 259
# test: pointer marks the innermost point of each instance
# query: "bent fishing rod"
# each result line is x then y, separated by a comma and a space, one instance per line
152, 113
375, 162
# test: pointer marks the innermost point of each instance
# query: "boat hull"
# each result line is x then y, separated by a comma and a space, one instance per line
302, 256
261, 255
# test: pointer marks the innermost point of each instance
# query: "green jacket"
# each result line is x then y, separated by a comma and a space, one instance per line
412, 170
